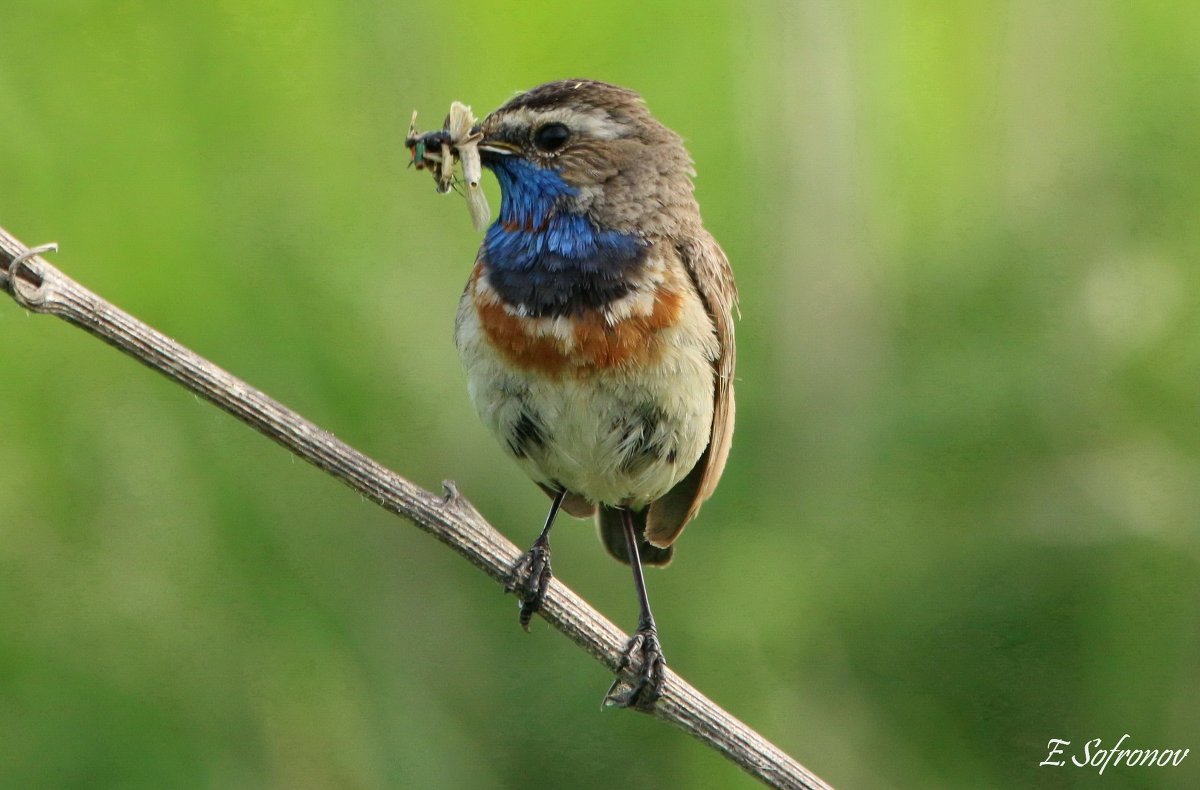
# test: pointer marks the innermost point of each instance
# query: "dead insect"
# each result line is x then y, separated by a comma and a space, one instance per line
462, 128
458, 139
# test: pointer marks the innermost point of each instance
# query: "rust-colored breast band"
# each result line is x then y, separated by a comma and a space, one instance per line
594, 345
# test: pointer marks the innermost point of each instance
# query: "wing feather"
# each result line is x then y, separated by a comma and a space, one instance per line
712, 278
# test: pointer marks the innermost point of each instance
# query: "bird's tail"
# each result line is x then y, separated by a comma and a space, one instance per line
612, 535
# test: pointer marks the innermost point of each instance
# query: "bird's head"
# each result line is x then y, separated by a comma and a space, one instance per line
593, 150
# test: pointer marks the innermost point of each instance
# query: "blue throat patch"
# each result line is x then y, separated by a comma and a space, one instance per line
547, 260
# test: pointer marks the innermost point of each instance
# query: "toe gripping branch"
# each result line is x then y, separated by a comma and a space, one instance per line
530, 578
641, 674
531, 575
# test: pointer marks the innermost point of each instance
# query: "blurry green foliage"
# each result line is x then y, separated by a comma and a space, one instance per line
962, 513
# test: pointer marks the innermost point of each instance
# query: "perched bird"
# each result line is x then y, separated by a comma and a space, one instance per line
596, 332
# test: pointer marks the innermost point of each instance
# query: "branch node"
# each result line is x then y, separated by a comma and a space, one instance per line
450, 494
453, 501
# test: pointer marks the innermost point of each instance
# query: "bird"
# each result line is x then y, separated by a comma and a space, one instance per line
596, 334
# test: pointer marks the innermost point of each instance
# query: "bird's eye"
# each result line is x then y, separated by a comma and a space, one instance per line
551, 137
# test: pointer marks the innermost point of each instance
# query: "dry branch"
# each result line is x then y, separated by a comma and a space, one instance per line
41, 288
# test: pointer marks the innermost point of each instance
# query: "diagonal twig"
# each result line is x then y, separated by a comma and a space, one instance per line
41, 288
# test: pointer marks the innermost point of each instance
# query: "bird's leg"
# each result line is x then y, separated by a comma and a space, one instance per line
531, 575
643, 652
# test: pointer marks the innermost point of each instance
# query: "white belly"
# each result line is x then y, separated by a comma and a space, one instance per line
619, 435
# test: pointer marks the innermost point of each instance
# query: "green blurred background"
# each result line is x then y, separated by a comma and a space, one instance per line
961, 516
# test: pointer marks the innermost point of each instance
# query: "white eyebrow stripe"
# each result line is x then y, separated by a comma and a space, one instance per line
597, 124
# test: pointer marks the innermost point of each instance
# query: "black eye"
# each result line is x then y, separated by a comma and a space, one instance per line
551, 137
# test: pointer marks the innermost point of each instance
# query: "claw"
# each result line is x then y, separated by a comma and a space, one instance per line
530, 578
644, 654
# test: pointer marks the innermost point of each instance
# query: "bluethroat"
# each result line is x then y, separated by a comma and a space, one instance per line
596, 332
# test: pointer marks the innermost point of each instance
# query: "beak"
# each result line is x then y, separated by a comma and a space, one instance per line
492, 144
503, 149
497, 147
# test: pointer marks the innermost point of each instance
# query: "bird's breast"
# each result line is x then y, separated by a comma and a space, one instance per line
614, 403
625, 330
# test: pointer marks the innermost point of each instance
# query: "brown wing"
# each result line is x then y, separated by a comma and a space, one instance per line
713, 279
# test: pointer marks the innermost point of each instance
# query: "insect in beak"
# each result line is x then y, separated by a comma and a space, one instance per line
457, 140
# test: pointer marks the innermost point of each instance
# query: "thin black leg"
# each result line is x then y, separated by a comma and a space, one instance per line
645, 616
532, 574
646, 687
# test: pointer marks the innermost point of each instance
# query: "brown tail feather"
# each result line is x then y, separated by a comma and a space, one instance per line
612, 535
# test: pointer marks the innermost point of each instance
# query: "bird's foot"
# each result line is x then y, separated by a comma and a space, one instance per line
644, 660
530, 578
